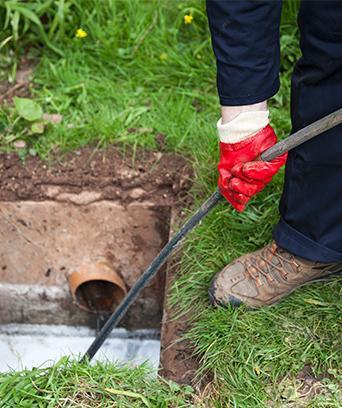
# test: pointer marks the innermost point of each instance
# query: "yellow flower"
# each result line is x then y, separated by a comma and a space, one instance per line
163, 56
257, 370
188, 19
80, 33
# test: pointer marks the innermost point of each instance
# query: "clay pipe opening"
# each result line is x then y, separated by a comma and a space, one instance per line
96, 287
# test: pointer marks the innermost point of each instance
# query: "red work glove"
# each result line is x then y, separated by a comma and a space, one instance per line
241, 173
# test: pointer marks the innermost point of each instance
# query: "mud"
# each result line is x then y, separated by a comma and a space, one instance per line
57, 216
177, 361
42, 243
22, 84
91, 204
91, 175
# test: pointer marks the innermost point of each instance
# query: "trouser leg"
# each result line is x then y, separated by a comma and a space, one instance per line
311, 204
245, 39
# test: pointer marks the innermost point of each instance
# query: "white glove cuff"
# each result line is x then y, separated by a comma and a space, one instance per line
242, 127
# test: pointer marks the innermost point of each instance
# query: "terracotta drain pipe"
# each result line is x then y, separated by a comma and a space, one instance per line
96, 287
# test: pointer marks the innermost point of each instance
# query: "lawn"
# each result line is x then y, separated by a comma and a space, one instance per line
141, 67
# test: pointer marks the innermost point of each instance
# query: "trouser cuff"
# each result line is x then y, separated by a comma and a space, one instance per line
298, 244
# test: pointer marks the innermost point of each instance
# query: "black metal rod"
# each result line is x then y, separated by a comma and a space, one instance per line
278, 149
155, 265
303, 135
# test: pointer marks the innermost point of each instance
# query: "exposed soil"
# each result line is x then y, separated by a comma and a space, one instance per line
21, 87
177, 362
90, 204
310, 385
98, 175
43, 242
88, 179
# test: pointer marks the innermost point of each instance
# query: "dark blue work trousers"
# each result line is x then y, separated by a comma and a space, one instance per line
245, 38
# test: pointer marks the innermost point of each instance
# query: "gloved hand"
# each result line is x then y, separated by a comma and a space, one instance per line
241, 173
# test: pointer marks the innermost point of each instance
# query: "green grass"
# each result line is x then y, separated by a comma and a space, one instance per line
135, 69
71, 384
141, 67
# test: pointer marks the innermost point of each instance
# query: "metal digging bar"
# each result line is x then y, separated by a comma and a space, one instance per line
278, 149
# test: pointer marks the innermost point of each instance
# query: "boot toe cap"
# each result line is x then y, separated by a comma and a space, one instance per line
220, 292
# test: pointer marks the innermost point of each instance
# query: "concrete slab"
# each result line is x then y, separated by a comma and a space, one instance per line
27, 346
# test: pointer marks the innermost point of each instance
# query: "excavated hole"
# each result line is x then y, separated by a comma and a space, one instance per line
44, 243
93, 211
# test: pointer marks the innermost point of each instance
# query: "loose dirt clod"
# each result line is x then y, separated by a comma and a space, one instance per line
108, 174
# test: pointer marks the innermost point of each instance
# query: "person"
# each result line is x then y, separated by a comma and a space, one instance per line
307, 241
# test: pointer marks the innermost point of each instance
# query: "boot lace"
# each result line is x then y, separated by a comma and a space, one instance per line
271, 259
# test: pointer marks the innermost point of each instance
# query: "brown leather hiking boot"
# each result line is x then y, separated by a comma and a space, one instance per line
266, 276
